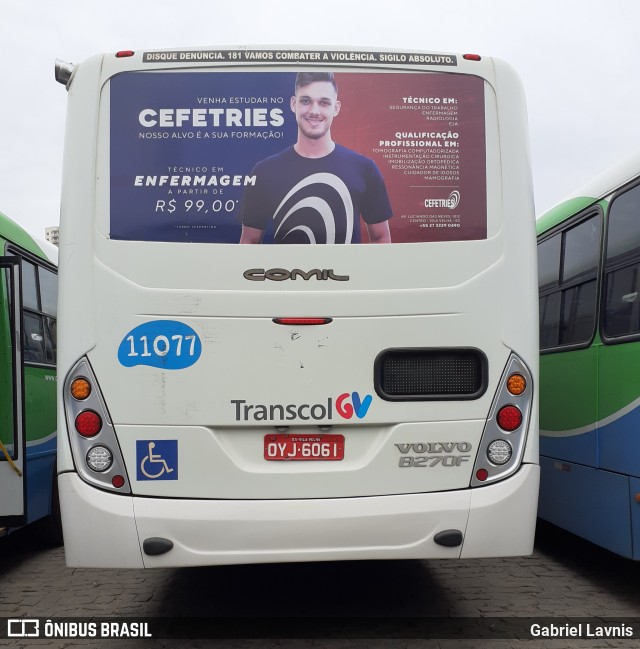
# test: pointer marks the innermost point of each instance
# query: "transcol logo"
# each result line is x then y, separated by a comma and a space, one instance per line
347, 405
358, 406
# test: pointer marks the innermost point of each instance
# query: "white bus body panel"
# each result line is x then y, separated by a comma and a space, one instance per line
214, 532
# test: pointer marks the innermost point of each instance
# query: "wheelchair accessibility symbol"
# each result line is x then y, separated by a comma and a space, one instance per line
157, 459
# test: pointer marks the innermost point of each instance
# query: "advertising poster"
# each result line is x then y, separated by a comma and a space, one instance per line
230, 157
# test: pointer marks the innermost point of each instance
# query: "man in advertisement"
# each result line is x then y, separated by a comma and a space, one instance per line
316, 190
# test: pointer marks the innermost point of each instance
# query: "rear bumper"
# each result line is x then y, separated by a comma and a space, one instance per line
107, 530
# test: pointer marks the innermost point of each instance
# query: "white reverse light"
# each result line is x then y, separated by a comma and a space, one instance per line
499, 452
99, 458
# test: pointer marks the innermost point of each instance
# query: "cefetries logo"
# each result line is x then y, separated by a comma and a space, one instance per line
451, 202
346, 406
454, 199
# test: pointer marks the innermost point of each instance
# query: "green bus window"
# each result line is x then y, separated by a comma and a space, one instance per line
621, 307
39, 306
50, 341
549, 320
578, 313
581, 248
624, 234
48, 291
29, 286
33, 336
549, 262
567, 272
621, 312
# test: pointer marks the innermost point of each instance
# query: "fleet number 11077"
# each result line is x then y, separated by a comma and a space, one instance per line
160, 345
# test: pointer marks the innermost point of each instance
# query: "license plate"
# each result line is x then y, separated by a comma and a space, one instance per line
304, 447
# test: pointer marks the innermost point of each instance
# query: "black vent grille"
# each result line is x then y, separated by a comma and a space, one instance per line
408, 374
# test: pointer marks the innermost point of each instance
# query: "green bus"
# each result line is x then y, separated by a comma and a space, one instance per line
28, 299
589, 281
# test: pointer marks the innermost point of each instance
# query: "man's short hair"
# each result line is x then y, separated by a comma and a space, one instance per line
303, 79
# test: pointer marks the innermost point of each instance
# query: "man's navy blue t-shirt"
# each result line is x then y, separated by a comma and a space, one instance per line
315, 200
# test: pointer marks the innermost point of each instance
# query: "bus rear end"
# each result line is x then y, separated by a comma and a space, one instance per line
367, 391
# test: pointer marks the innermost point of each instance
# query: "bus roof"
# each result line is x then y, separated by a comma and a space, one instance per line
598, 188
13, 232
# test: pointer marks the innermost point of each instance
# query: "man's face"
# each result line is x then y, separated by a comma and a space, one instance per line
315, 107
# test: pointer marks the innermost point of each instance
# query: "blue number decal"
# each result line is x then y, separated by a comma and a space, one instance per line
166, 344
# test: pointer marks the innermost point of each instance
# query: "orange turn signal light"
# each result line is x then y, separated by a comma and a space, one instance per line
516, 384
80, 389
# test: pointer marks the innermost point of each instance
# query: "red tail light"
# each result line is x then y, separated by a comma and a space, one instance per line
509, 418
88, 423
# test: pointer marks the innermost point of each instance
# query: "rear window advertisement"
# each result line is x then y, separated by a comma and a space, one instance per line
299, 158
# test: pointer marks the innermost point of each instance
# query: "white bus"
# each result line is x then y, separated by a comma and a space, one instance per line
226, 398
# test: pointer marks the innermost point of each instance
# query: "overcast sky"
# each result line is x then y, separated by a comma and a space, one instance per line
575, 57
